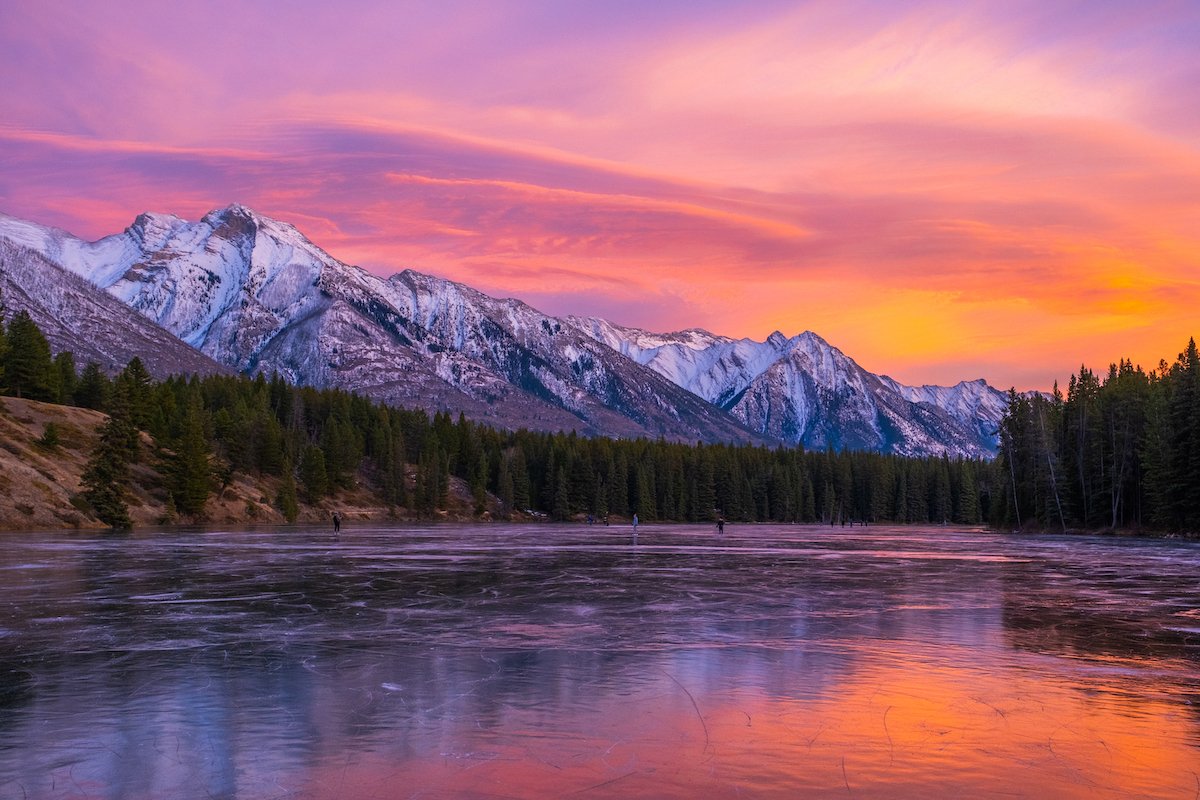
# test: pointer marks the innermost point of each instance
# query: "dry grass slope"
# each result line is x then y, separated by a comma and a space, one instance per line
39, 486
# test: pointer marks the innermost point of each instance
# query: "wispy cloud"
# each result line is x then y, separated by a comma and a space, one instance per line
930, 187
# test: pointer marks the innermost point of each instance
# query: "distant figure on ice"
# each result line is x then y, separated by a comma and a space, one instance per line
635, 523
606, 519
337, 522
720, 524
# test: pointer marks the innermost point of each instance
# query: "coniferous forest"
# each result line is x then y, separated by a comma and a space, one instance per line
1122, 452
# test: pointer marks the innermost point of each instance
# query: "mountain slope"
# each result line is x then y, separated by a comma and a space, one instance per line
75, 315
256, 295
803, 390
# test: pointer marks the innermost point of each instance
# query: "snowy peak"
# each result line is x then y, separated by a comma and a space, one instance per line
254, 294
151, 231
778, 340
804, 390
75, 315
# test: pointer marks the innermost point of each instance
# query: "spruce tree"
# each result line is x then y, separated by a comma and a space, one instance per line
190, 469
49, 439
64, 367
506, 489
106, 475
314, 480
286, 500
562, 506
28, 366
93, 388
136, 382
479, 481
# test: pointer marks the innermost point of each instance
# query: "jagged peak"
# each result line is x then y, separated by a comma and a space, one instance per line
816, 338
238, 214
157, 219
778, 340
234, 210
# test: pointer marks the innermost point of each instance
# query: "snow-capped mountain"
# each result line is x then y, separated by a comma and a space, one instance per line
804, 390
75, 315
254, 294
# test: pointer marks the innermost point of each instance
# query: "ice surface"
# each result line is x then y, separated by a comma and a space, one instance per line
542, 660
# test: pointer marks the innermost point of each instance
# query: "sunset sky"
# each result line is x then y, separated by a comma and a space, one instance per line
944, 191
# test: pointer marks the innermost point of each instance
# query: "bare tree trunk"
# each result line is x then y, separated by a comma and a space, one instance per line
1050, 463
1013, 471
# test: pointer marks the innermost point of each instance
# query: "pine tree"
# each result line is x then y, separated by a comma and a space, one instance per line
190, 470
479, 483
520, 481
286, 499
313, 479
561, 507
49, 439
93, 388
136, 382
107, 472
506, 488
64, 367
28, 367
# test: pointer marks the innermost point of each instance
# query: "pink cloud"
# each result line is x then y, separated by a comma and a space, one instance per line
1027, 174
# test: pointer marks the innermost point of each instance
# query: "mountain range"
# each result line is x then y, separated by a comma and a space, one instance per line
238, 291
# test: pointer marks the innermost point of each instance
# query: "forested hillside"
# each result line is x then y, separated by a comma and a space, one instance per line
1117, 452
319, 443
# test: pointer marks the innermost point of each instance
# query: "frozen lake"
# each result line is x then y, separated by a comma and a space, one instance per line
550, 661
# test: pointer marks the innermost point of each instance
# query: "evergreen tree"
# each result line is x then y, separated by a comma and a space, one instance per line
28, 367
1183, 410
64, 367
562, 493
506, 487
106, 476
314, 481
286, 500
190, 470
49, 439
479, 480
520, 481
92, 388
136, 383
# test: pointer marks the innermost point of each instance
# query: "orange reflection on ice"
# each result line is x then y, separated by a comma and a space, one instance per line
900, 725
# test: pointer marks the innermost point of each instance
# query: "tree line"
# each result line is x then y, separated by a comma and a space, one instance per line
319, 442
1121, 451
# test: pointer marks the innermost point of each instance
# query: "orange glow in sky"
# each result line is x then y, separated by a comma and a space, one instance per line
945, 191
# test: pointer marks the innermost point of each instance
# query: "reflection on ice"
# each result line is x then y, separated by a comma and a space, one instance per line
538, 661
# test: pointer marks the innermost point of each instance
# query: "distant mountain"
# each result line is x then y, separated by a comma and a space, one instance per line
75, 315
254, 294
804, 390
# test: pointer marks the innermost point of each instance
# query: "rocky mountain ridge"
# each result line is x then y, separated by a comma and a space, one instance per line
803, 390
253, 294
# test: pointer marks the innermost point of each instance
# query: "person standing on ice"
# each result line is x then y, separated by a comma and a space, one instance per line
635, 523
337, 522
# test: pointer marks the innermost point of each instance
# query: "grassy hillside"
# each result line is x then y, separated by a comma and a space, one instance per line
39, 485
